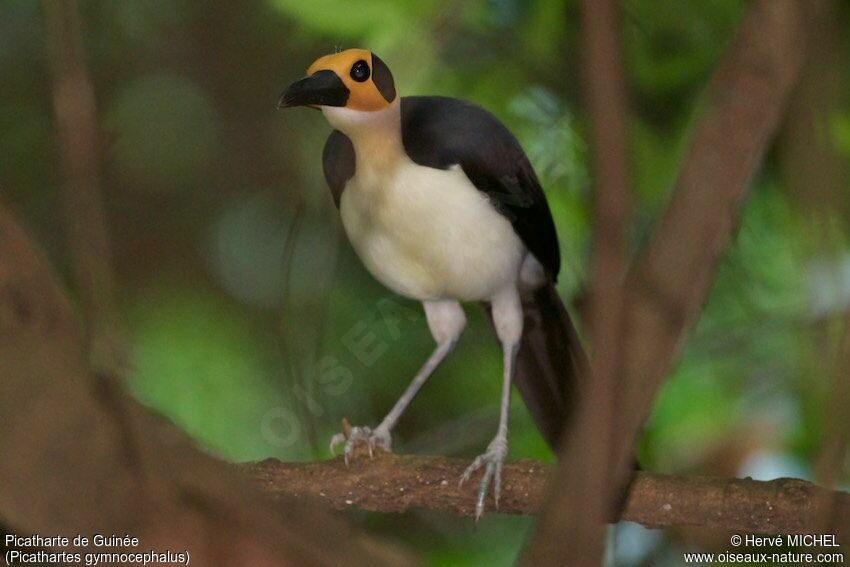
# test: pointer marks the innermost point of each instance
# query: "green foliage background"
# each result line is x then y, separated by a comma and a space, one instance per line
256, 329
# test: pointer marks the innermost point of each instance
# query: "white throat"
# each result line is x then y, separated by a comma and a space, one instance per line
376, 135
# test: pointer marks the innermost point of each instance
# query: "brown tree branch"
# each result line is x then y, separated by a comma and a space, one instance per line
746, 97
816, 175
668, 285
79, 456
815, 172
398, 483
835, 440
585, 491
79, 141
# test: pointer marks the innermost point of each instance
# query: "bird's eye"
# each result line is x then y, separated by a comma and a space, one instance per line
360, 71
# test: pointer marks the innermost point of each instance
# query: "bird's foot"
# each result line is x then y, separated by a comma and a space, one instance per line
351, 436
492, 462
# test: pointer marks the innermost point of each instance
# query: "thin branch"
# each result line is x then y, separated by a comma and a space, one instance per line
835, 441
397, 483
85, 217
816, 177
584, 490
814, 170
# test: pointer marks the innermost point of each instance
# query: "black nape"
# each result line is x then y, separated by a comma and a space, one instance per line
382, 78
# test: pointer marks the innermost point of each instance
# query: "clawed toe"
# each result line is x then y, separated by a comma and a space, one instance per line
351, 436
492, 462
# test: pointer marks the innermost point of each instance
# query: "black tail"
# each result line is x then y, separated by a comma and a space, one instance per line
549, 363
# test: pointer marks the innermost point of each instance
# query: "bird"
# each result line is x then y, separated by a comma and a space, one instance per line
442, 205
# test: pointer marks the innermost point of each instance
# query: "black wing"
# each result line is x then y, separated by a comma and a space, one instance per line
440, 132
338, 162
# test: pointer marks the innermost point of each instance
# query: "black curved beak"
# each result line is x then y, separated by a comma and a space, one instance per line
322, 88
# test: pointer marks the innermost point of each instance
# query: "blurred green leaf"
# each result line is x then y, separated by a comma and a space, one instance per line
200, 362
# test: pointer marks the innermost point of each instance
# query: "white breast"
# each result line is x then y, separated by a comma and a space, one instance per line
430, 234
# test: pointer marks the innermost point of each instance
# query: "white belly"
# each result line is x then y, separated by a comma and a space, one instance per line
430, 234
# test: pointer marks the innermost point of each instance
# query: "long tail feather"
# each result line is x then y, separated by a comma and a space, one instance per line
549, 363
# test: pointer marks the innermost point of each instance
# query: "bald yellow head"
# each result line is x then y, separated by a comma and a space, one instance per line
354, 78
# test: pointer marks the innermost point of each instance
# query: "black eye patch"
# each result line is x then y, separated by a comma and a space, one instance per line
360, 71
